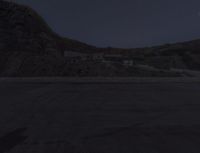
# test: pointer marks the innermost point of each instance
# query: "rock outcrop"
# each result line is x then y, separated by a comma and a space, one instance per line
23, 30
23, 34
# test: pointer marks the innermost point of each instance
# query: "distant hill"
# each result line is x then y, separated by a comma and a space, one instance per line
24, 34
29, 47
22, 29
185, 55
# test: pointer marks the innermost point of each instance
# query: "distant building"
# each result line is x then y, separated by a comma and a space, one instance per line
73, 54
83, 56
128, 62
97, 56
106, 58
119, 59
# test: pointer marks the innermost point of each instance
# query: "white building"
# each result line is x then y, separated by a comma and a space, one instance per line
83, 56
128, 62
73, 54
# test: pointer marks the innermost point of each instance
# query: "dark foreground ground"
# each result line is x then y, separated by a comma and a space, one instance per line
64, 117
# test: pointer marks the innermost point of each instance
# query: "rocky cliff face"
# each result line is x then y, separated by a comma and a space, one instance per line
24, 34
23, 30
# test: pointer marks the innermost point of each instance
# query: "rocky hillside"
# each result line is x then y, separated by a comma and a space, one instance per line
22, 29
28, 47
185, 55
25, 35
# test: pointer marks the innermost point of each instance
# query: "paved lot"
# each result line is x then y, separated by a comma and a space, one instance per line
64, 117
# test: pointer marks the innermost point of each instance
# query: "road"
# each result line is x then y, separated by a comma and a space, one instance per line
64, 117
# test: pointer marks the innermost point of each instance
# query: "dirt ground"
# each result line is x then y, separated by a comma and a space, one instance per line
64, 117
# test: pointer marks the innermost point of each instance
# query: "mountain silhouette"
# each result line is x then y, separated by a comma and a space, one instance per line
29, 47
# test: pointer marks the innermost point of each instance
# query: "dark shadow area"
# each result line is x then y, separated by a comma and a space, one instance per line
12, 139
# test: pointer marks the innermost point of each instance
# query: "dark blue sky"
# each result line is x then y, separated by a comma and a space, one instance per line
122, 23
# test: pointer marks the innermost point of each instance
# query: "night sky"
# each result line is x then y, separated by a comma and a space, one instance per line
122, 23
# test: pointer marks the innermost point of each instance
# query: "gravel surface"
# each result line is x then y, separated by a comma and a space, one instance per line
99, 117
